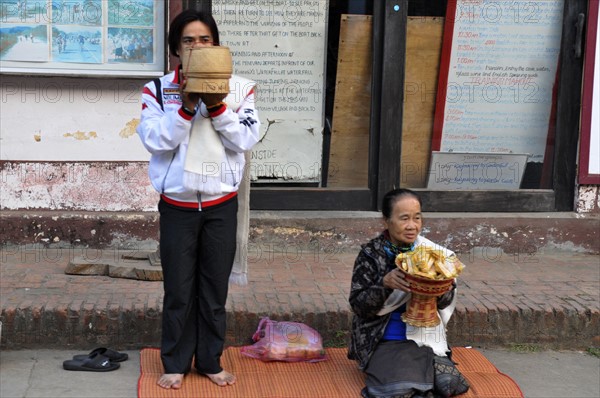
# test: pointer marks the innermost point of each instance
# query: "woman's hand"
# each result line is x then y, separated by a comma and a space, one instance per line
395, 280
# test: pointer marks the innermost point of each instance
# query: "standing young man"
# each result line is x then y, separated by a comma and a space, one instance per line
197, 212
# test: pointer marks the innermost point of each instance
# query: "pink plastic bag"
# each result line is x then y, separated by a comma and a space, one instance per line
285, 341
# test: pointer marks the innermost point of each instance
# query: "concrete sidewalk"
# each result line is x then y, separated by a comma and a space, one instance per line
509, 305
39, 373
545, 299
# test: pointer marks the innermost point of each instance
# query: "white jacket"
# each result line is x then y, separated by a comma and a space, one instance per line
166, 133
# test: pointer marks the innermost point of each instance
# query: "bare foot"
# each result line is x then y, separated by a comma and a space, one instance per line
170, 380
223, 378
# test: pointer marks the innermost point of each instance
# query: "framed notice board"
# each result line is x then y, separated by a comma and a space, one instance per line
497, 76
589, 150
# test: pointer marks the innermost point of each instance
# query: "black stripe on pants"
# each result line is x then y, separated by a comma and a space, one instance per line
197, 249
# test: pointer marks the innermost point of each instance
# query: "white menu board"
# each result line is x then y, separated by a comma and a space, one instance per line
594, 154
589, 147
498, 72
281, 46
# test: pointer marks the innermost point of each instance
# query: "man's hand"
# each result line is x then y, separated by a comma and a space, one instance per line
212, 99
189, 100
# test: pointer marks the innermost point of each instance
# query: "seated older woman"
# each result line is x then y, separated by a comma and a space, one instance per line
399, 360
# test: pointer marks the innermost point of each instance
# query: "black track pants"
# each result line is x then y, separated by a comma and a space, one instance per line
197, 249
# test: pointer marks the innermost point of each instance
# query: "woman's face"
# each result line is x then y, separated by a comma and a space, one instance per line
195, 34
404, 225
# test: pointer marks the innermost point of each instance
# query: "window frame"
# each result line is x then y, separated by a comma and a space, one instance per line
385, 142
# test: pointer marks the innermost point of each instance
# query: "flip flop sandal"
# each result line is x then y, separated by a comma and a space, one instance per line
114, 356
93, 363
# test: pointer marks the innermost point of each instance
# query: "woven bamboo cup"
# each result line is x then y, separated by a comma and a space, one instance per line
207, 69
422, 307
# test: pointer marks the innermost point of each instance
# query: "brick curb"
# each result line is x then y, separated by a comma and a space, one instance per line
35, 328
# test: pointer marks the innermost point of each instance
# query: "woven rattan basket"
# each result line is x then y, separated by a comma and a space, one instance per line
422, 307
207, 69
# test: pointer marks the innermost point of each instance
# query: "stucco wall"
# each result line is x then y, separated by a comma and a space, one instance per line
70, 144
588, 199
70, 119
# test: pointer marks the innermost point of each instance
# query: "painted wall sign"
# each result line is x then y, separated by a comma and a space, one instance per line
498, 69
281, 45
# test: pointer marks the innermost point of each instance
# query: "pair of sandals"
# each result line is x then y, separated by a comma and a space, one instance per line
99, 360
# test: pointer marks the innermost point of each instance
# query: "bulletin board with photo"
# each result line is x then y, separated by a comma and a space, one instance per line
82, 37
